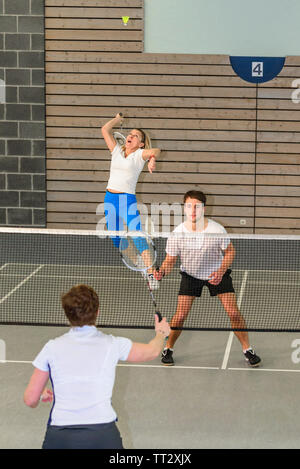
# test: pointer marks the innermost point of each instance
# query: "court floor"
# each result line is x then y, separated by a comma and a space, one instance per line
209, 399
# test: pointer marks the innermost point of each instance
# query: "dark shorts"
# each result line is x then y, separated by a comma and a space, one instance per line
98, 436
191, 286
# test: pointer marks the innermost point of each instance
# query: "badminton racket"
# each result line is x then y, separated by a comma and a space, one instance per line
138, 253
118, 136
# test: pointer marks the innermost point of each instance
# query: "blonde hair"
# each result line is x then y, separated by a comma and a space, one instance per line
145, 139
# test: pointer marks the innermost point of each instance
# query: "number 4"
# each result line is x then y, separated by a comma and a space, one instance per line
257, 69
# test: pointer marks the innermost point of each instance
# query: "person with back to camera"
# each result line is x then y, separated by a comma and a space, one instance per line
127, 163
81, 366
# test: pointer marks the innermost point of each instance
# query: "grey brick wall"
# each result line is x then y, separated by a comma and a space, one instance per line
22, 114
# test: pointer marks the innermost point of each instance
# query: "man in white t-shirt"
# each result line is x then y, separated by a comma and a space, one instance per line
205, 261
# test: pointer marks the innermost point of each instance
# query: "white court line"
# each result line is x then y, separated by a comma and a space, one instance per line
172, 367
133, 365
16, 361
231, 335
90, 277
20, 284
3, 267
264, 369
122, 266
134, 279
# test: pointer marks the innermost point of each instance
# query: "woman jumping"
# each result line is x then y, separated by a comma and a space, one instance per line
127, 163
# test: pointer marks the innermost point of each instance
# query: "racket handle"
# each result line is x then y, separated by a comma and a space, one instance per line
120, 114
159, 315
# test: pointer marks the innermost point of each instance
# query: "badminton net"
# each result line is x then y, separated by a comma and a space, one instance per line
38, 266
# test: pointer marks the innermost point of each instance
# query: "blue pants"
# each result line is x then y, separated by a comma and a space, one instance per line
120, 210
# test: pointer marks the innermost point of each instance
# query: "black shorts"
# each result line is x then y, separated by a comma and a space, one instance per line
191, 286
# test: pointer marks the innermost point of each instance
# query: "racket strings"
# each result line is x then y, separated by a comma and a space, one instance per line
120, 138
137, 252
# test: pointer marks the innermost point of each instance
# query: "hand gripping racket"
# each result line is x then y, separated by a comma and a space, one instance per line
139, 254
118, 136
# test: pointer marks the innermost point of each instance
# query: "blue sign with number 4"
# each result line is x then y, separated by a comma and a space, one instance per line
257, 69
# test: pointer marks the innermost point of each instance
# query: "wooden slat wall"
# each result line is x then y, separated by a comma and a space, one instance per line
233, 140
278, 150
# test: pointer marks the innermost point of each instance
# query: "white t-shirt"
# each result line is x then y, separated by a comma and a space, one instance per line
200, 255
124, 172
81, 366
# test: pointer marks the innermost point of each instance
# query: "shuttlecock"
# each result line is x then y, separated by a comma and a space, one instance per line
125, 20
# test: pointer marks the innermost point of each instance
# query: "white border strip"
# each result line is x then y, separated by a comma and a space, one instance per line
104, 233
120, 266
53, 231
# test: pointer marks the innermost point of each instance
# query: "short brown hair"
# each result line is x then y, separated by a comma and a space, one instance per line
81, 305
194, 194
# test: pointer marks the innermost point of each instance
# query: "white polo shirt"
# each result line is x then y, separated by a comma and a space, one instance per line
124, 172
200, 255
81, 366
